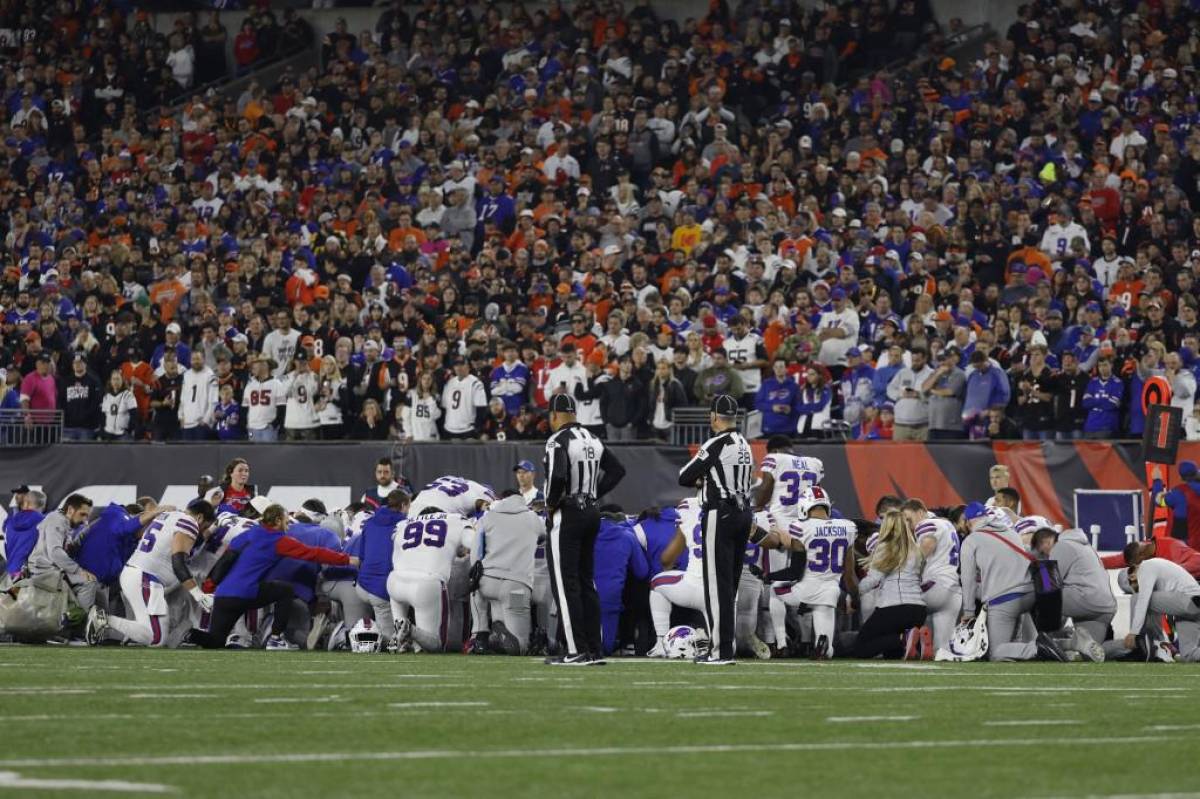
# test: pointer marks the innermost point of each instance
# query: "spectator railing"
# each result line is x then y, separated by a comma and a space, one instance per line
21, 428
690, 426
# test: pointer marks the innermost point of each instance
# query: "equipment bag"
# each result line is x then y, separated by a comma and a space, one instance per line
1047, 588
33, 609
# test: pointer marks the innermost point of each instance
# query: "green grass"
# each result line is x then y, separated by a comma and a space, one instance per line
335, 725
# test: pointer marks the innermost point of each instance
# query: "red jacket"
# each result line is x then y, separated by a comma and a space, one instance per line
1172, 549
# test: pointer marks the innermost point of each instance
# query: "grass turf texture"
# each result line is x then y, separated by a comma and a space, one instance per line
233, 724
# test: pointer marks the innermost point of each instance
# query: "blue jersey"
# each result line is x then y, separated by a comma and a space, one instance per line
108, 542
257, 555
374, 549
509, 383
20, 536
618, 554
303, 574
658, 534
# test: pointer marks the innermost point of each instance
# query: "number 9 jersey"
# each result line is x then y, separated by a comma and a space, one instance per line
428, 544
828, 543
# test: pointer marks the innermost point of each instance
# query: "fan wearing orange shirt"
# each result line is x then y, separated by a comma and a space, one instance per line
687, 236
139, 376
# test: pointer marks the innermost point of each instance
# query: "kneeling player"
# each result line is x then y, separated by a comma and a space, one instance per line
939, 545
674, 587
156, 567
423, 554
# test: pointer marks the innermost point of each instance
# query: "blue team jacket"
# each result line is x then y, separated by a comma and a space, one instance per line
618, 554
303, 574
374, 549
108, 542
20, 536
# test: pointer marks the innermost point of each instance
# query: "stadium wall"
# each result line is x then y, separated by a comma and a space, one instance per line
857, 473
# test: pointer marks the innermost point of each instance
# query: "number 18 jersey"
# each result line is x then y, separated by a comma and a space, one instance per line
153, 553
429, 543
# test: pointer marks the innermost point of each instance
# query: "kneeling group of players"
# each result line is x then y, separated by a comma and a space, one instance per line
243, 572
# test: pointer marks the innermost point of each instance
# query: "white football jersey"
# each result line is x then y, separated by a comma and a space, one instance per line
429, 544
460, 399
941, 567
1028, 525
301, 392
829, 543
693, 536
153, 553
792, 474
744, 350
261, 398
452, 495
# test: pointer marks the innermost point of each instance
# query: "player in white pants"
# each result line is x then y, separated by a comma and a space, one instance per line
157, 567
423, 554
939, 545
675, 587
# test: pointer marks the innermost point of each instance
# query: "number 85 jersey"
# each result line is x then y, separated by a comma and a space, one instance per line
829, 544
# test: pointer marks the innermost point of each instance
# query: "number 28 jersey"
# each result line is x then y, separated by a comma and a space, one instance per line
153, 553
828, 543
428, 544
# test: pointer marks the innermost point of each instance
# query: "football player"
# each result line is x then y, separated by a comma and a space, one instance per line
423, 553
750, 591
828, 544
939, 544
1026, 526
674, 587
158, 566
454, 495
784, 478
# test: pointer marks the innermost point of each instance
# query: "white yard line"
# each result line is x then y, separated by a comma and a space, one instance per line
169, 696
853, 719
297, 700
699, 714
438, 704
1032, 723
240, 758
11, 779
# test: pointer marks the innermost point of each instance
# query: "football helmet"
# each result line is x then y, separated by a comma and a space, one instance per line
969, 642
685, 643
813, 497
365, 637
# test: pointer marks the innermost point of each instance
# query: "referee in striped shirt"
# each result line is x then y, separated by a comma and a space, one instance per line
579, 470
721, 469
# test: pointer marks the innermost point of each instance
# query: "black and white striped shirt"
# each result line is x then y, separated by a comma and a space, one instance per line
723, 467
578, 465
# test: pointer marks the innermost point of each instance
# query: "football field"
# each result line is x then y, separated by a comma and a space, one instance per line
122, 721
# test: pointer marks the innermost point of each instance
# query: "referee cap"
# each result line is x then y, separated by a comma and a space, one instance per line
562, 403
724, 405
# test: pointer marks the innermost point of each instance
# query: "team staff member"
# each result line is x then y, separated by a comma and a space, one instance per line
238, 578
50, 551
722, 469
1184, 502
579, 470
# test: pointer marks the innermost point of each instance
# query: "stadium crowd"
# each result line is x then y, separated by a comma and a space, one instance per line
464, 211
459, 565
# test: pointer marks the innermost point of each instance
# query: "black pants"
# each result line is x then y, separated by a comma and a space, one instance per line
881, 634
228, 609
571, 559
725, 527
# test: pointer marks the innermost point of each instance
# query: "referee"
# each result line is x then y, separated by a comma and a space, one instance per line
579, 469
722, 469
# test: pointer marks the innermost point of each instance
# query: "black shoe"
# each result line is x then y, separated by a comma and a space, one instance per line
597, 660
715, 661
820, 649
570, 660
538, 645
476, 646
1050, 649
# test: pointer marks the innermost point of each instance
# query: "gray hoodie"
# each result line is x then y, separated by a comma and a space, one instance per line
1083, 574
1002, 570
508, 535
50, 550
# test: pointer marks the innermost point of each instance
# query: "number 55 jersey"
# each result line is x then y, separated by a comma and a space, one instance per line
828, 543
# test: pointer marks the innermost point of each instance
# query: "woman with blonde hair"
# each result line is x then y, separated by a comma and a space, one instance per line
333, 400
896, 628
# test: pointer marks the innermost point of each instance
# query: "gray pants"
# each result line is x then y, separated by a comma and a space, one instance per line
458, 592
382, 608
943, 606
84, 591
547, 611
1004, 622
344, 595
503, 600
627, 433
1187, 620
1087, 614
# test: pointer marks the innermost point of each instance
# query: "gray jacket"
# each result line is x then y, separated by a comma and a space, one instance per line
50, 550
1083, 575
901, 587
910, 410
1001, 570
507, 540
945, 413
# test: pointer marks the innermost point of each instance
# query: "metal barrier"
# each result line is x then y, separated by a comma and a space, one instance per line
21, 428
690, 426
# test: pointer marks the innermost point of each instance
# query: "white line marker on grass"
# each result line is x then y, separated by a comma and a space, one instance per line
699, 714
438, 704
169, 696
1032, 723
853, 719
297, 700
11, 779
240, 758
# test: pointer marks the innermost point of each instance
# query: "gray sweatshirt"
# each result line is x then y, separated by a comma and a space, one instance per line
1158, 574
945, 413
50, 550
1001, 570
1082, 572
910, 410
901, 587
508, 535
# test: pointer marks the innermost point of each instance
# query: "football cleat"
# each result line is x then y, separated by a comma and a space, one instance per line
761, 650
235, 641
475, 646
97, 625
715, 661
277, 643
570, 660
597, 660
820, 650
403, 636
1049, 649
